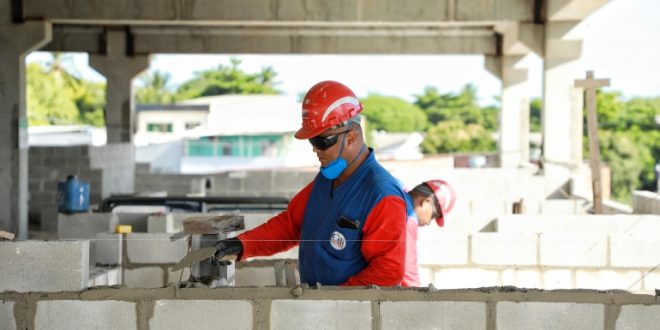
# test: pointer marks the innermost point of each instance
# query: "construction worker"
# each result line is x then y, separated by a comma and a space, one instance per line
349, 222
429, 200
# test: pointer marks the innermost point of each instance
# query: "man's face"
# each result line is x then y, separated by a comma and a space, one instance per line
327, 144
426, 211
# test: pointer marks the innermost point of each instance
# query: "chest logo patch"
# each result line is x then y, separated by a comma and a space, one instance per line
337, 241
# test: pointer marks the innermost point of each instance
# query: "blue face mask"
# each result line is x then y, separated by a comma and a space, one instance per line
339, 165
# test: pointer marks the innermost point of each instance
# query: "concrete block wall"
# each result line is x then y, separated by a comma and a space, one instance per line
604, 224
646, 202
329, 308
108, 169
48, 266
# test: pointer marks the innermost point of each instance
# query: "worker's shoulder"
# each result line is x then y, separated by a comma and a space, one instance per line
381, 180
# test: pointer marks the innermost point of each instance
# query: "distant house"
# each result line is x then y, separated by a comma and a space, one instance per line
397, 146
221, 133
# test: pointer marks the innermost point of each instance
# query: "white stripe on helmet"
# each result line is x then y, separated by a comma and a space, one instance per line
336, 104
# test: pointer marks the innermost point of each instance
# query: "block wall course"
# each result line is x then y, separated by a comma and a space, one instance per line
543, 315
608, 279
459, 278
578, 250
433, 315
72, 314
108, 249
638, 317
49, 266
635, 250
435, 247
144, 248
320, 314
504, 249
201, 314
554, 279
144, 277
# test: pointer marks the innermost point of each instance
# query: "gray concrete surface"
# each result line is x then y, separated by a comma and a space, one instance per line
201, 314
71, 314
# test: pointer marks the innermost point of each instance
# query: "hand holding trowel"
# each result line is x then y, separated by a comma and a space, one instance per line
223, 252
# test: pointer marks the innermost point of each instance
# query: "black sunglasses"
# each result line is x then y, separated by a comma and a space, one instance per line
325, 142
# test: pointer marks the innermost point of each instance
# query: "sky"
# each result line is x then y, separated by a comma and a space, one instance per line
621, 42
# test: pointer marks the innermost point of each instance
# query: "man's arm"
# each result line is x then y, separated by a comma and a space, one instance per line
384, 244
281, 232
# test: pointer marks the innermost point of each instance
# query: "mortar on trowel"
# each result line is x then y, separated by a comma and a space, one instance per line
204, 232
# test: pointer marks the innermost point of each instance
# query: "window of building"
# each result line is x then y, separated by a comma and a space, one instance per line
159, 127
192, 124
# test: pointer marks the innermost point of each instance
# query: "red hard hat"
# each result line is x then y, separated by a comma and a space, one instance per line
445, 195
325, 105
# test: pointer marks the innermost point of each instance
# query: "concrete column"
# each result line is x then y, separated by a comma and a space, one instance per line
562, 105
16, 41
119, 70
514, 116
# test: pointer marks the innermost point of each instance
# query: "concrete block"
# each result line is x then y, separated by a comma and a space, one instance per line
85, 225
425, 276
492, 207
638, 317
435, 247
545, 315
201, 314
254, 276
144, 277
504, 249
7, 320
137, 220
652, 281
635, 250
48, 218
433, 315
170, 223
521, 278
173, 277
608, 279
536, 224
29, 266
102, 276
459, 278
554, 279
320, 314
573, 249
75, 314
108, 249
154, 248
560, 207
114, 276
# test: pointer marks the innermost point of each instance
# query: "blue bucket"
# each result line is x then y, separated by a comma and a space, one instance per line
72, 195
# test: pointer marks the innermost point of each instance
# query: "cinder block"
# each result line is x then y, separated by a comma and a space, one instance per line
136, 220
638, 317
433, 315
573, 249
114, 276
545, 315
459, 278
504, 249
559, 207
320, 314
144, 277
145, 248
168, 222
608, 279
7, 320
48, 218
425, 276
521, 278
201, 314
85, 225
108, 249
254, 276
75, 314
435, 247
635, 250
554, 279
492, 207
30, 266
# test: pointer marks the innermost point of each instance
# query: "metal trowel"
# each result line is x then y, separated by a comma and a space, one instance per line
198, 256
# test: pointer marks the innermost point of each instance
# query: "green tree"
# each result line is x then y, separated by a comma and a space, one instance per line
535, 115
49, 100
228, 80
461, 106
456, 136
393, 114
155, 88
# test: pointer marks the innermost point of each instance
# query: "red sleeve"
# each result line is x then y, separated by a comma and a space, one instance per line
281, 232
384, 244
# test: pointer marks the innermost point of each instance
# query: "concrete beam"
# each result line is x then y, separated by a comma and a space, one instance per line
176, 12
269, 39
17, 41
571, 10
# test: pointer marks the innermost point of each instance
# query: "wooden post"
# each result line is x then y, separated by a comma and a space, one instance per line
590, 85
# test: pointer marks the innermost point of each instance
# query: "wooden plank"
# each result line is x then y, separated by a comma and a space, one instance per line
6, 235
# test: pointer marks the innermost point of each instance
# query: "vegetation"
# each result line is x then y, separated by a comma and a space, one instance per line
451, 122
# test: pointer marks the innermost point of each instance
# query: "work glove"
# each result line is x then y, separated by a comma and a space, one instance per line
225, 248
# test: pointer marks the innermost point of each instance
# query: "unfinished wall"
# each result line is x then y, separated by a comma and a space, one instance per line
329, 308
109, 170
646, 202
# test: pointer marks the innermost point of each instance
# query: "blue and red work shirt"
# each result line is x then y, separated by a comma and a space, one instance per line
354, 234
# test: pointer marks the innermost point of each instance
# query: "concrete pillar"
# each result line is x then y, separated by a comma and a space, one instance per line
561, 117
513, 142
119, 70
16, 41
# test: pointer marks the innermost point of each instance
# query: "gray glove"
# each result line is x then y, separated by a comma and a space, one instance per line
225, 248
